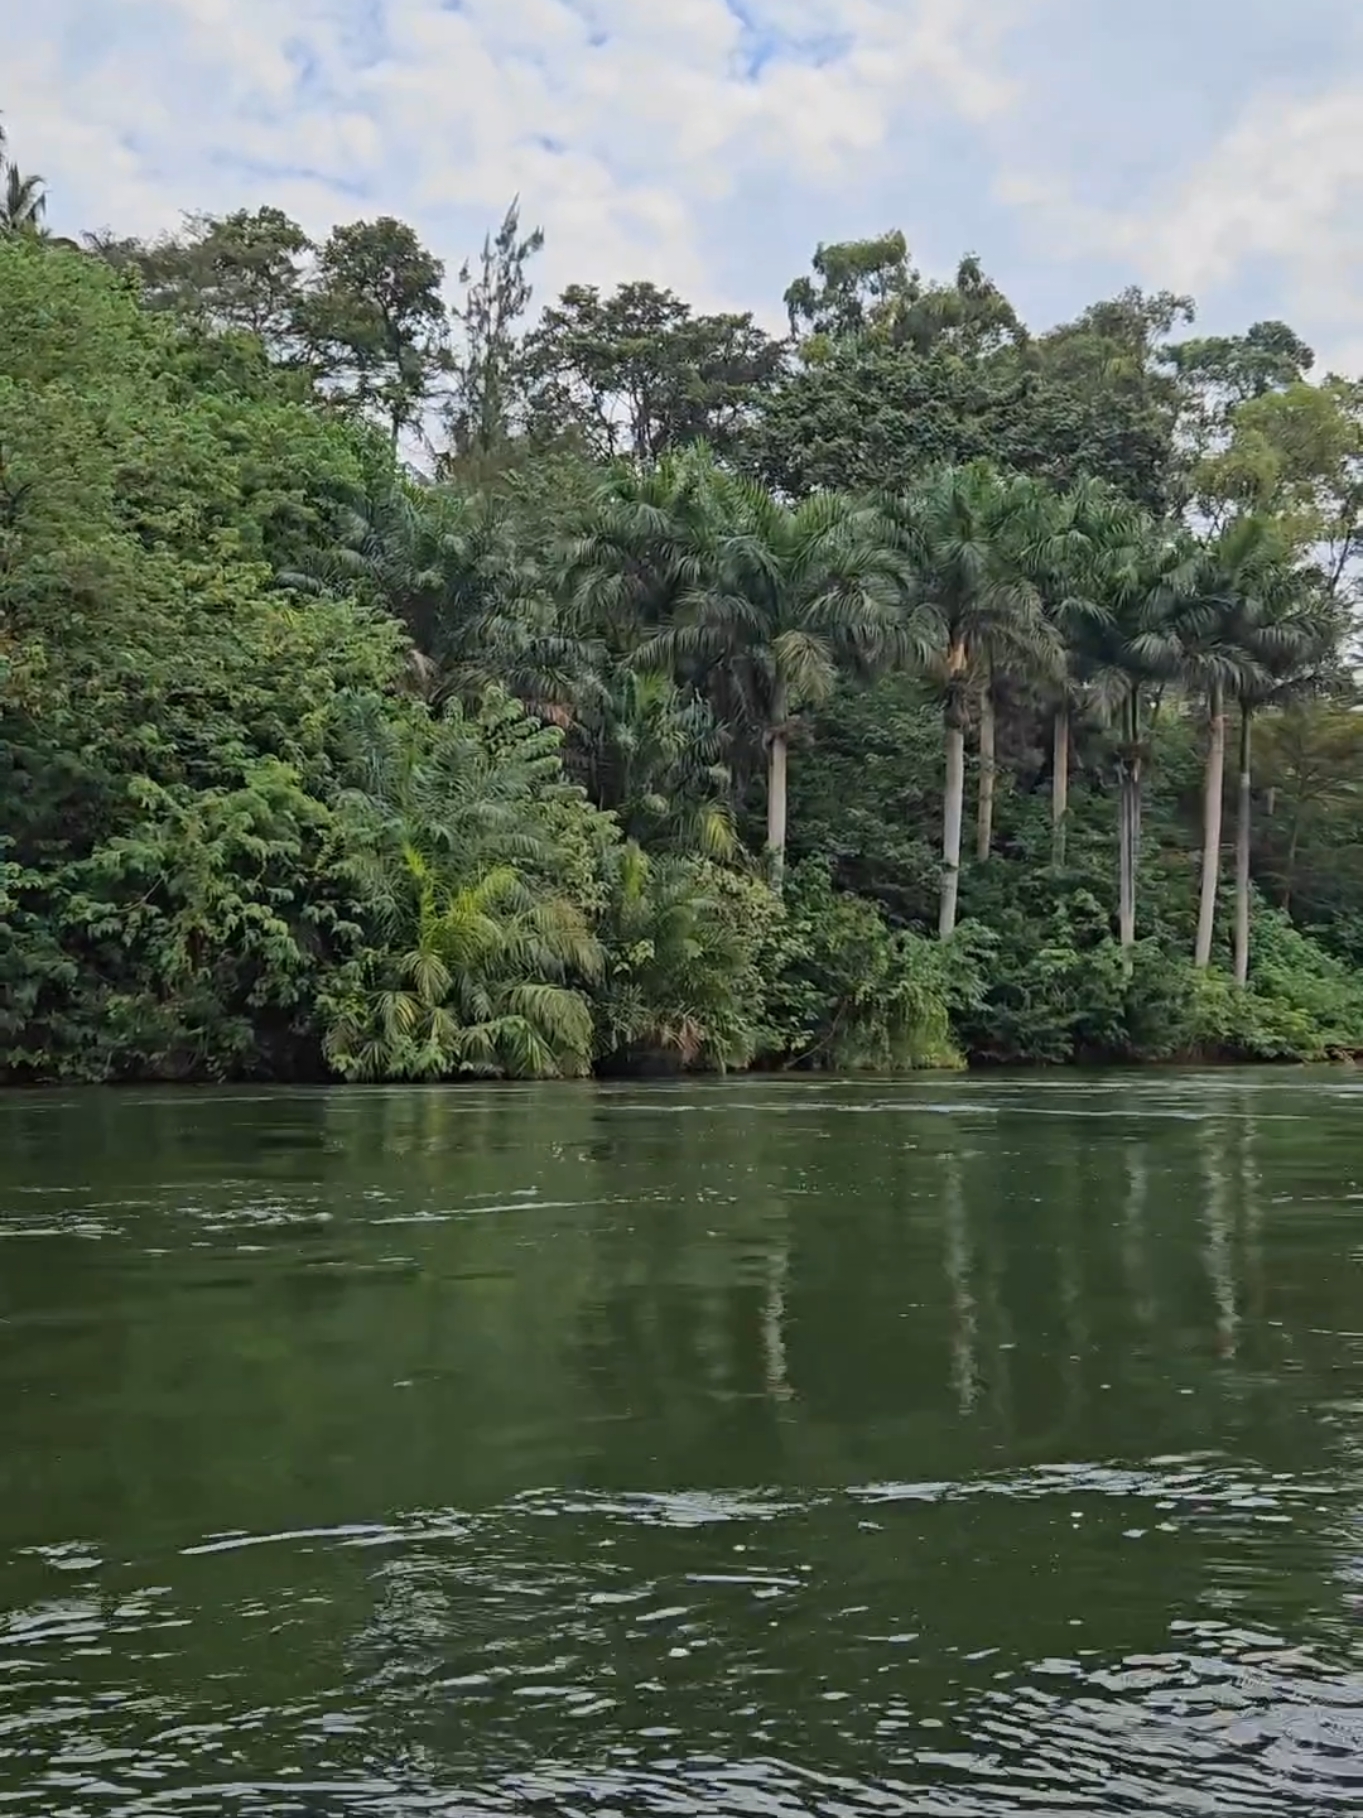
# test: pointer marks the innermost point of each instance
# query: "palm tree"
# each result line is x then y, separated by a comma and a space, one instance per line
678, 984
1287, 638
1209, 643
473, 954
23, 202
1048, 540
1071, 545
457, 570
1139, 579
969, 599
778, 599
642, 546
653, 754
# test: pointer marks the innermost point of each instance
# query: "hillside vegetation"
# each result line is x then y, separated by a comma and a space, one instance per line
392, 690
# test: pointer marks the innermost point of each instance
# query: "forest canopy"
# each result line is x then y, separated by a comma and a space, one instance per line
400, 679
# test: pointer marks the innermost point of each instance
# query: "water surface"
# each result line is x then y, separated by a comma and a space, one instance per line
954, 1447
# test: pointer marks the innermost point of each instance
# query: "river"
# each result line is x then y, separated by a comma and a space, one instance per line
954, 1447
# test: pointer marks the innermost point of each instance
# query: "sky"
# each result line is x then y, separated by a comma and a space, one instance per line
1208, 146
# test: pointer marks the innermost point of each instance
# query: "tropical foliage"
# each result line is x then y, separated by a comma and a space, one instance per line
394, 690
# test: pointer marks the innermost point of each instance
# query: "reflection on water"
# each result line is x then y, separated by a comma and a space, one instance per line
977, 1448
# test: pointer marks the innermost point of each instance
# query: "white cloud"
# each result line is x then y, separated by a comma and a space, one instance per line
619, 121
1280, 194
708, 144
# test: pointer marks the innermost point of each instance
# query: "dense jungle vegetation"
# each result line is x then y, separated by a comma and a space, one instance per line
398, 690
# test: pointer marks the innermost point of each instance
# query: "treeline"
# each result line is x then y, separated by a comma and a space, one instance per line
400, 690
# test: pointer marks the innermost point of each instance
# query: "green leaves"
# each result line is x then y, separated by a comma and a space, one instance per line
307, 763
638, 374
682, 985
475, 960
846, 993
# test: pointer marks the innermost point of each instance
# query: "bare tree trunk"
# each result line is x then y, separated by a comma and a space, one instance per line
1060, 782
953, 807
1126, 866
1245, 808
984, 819
1129, 829
1212, 799
777, 763
1294, 845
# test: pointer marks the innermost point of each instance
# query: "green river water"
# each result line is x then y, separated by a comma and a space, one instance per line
953, 1447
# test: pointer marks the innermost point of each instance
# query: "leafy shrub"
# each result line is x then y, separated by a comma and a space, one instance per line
681, 986
1302, 1004
845, 992
472, 964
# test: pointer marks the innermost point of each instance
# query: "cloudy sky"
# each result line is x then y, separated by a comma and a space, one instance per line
1212, 146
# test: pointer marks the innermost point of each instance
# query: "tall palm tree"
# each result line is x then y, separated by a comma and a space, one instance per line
1140, 579
969, 599
23, 203
1072, 543
1209, 642
780, 598
1288, 638
23, 200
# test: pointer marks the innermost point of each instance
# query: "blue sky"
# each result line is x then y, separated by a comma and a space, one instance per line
1211, 146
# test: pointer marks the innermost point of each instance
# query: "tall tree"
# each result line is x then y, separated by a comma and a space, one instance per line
23, 200
1295, 453
970, 595
1141, 580
638, 373
488, 381
375, 322
1069, 541
778, 599
1207, 642
639, 546
1217, 374
245, 271
1289, 639
858, 286
947, 375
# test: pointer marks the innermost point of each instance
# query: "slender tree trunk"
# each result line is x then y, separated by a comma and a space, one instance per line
1293, 846
777, 762
1060, 782
952, 811
1129, 831
1126, 867
1213, 793
984, 819
1242, 838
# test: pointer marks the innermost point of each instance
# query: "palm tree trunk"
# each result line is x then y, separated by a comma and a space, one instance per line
953, 807
1126, 867
1242, 838
1213, 792
1060, 782
778, 756
1129, 831
1293, 845
984, 819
